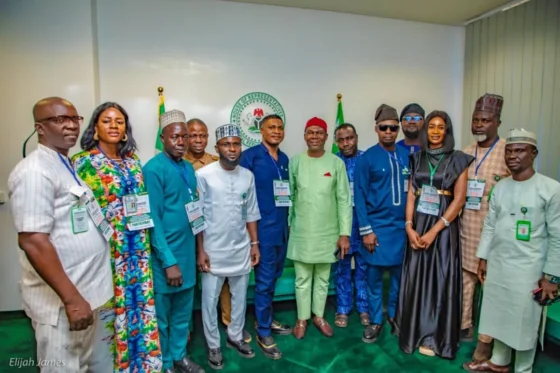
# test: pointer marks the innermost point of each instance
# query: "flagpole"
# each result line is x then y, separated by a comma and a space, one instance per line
161, 110
339, 121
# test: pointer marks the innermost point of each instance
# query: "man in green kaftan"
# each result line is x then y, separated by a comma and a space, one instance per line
520, 253
172, 187
320, 224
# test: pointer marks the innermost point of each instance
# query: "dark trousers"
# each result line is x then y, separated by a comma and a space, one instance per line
375, 291
267, 272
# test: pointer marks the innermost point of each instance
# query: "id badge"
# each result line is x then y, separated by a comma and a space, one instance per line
244, 208
136, 204
196, 217
523, 230
138, 222
475, 192
94, 211
106, 230
79, 218
429, 201
282, 193
352, 192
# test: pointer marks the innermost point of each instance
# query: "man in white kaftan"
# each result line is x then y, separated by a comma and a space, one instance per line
228, 247
519, 252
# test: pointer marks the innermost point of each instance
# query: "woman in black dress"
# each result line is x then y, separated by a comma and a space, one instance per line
430, 298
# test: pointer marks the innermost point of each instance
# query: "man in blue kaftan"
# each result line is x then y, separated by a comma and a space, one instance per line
347, 141
381, 186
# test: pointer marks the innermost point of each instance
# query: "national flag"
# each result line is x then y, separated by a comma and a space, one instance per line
339, 121
159, 144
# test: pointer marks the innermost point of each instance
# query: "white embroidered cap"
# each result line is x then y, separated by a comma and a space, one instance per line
172, 116
521, 136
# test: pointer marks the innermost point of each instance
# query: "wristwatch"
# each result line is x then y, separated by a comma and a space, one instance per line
445, 221
551, 279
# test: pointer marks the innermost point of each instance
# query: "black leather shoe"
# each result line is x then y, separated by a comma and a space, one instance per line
371, 333
269, 348
391, 322
278, 328
215, 359
187, 366
246, 336
243, 349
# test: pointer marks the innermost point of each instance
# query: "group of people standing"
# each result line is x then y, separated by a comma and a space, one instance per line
112, 250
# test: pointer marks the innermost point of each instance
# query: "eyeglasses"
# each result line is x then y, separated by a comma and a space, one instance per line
384, 127
409, 118
63, 119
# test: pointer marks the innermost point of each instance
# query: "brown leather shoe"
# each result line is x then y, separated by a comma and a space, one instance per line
484, 366
300, 329
323, 326
483, 351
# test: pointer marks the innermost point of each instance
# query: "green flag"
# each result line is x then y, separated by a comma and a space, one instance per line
159, 144
339, 121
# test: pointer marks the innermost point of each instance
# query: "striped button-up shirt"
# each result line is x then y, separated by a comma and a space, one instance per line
42, 202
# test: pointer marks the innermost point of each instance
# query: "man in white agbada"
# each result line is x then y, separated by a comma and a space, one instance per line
520, 252
229, 246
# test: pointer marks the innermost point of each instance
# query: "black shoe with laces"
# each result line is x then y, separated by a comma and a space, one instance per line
215, 359
371, 333
243, 348
269, 348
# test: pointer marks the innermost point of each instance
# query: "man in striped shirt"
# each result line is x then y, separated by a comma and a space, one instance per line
66, 273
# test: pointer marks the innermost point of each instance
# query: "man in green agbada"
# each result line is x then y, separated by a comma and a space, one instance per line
172, 185
320, 222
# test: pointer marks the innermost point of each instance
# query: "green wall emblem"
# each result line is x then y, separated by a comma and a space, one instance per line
248, 113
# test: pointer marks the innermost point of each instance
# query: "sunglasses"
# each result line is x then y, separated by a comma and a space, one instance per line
384, 127
409, 118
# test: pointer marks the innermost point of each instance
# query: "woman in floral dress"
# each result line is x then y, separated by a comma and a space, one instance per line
129, 340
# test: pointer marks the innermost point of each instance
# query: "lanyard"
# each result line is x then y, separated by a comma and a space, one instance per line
394, 156
273, 161
183, 172
70, 169
433, 169
477, 165
125, 175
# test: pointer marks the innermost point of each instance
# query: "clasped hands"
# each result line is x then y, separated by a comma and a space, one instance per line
203, 260
420, 243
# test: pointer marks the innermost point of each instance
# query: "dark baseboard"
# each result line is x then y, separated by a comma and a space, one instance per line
11, 315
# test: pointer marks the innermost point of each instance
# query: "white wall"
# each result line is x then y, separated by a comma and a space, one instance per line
207, 54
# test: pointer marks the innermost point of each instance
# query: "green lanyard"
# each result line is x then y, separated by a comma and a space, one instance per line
433, 169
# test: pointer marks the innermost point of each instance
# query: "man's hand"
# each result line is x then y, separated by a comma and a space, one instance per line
343, 244
370, 242
255, 255
203, 261
174, 276
79, 313
481, 272
549, 290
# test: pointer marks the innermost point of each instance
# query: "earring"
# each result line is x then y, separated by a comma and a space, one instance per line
125, 138
96, 136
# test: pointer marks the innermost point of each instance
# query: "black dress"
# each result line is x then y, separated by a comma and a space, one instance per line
430, 297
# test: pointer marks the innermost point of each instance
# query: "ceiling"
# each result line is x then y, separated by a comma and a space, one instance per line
447, 12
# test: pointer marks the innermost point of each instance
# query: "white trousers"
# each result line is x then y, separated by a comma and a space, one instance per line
501, 355
61, 351
211, 288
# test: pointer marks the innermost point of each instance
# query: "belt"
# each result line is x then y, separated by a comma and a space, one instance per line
439, 191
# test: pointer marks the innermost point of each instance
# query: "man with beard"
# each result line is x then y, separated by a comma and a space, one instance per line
65, 265
519, 255
381, 187
229, 247
196, 154
320, 222
347, 141
412, 120
270, 168
487, 169
173, 194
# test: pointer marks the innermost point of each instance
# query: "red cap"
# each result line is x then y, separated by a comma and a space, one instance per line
316, 122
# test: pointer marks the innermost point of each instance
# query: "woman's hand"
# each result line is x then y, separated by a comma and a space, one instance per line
428, 239
413, 238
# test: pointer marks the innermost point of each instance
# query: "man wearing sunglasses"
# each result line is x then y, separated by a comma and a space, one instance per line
412, 121
64, 256
381, 186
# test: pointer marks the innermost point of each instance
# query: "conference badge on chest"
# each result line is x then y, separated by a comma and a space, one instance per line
475, 192
137, 211
282, 193
523, 227
429, 201
196, 217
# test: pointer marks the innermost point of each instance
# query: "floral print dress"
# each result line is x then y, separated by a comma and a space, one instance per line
129, 338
